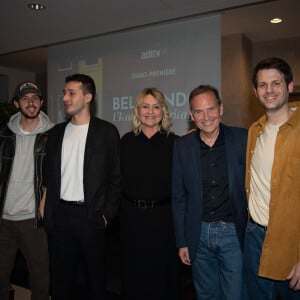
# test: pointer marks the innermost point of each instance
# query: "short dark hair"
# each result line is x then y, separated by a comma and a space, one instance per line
205, 88
273, 63
88, 84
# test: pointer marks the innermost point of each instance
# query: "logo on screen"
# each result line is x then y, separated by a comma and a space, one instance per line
150, 54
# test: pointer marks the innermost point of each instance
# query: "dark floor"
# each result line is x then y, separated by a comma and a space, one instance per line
20, 278
20, 274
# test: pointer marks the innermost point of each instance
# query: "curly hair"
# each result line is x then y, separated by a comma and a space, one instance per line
165, 123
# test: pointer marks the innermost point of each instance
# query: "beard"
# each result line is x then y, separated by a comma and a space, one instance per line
29, 115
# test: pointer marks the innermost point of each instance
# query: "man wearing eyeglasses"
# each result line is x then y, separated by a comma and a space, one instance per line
22, 144
209, 199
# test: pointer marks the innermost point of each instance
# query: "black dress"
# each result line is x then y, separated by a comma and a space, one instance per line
150, 264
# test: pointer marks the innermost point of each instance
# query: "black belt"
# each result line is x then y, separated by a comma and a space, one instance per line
258, 225
72, 203
148, 203
216, 222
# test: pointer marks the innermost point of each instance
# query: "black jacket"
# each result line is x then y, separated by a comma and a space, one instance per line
7, 153
101, 171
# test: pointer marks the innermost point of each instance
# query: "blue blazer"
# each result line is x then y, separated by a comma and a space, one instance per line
187, 197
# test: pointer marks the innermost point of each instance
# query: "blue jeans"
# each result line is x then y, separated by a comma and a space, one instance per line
217, 268
259, 288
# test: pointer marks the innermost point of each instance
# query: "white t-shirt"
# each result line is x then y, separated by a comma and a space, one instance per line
261, 171
72, 161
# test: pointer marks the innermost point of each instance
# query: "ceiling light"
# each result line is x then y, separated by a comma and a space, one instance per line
276, 20
36, 6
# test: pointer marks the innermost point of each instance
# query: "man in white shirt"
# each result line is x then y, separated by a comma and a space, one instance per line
83, 191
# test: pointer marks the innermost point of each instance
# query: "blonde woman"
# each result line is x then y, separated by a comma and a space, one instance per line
150, 265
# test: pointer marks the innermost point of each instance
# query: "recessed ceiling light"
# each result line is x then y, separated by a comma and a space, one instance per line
36, 6
276, 20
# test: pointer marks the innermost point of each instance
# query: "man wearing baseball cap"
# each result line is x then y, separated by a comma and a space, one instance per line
22, 143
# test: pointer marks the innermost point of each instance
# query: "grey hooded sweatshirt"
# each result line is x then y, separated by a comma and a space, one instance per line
20, 198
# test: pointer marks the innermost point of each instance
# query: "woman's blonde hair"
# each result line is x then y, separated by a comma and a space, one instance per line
165, 123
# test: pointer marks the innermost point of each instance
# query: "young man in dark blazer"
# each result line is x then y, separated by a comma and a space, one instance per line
83, 191
209, 199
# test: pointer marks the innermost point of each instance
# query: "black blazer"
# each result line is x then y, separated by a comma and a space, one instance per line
101, 174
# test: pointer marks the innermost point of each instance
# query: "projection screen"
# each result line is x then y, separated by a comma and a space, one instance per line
174, 57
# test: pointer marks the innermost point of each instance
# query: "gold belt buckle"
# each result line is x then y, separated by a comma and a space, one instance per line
145, 204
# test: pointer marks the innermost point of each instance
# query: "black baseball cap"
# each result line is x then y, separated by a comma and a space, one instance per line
26, 87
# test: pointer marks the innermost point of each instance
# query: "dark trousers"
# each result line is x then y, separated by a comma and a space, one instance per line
150, 263
32, 243
76, 243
